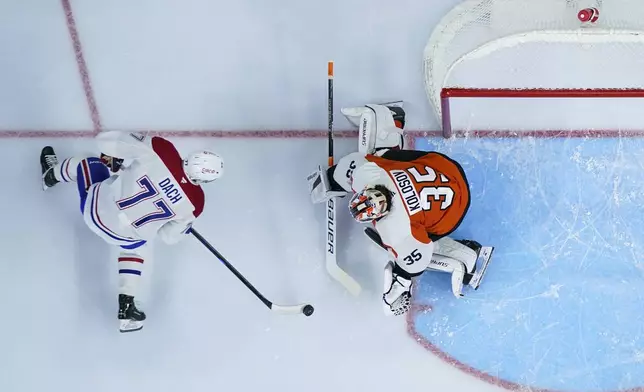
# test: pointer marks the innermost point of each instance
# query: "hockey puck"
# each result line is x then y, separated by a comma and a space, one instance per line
308, 310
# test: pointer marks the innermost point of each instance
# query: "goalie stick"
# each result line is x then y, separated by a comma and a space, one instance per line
304, 309
332, 267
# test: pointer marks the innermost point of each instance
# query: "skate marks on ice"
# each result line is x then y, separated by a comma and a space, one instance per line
560, 307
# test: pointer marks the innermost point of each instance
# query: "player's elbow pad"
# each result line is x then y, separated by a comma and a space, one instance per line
173, 232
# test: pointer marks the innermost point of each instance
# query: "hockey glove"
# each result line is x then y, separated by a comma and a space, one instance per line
174, 231
113, 163
397, 292
320, 187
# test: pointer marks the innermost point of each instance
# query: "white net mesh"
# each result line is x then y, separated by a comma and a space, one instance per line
516, 44
565, 115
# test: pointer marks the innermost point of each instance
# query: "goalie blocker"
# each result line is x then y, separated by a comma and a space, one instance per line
412, 199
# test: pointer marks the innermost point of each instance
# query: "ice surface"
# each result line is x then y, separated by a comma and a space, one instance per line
558, 307
253, 65
205, 330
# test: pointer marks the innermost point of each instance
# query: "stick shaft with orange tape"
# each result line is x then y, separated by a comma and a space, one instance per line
330, 111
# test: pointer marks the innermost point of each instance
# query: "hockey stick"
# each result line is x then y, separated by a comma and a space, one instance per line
304, 309
331, 244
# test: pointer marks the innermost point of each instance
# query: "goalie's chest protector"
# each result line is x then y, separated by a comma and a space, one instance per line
431, 192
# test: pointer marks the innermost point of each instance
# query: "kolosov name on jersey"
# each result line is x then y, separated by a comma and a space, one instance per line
407, 191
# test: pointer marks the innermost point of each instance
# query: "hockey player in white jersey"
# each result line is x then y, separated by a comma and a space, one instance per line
413, 199
139, 188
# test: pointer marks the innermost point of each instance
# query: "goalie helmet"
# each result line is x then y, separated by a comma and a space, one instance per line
203, 166
370, 204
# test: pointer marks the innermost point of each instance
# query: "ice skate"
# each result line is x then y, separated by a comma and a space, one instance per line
484, 255
131, 318
48, 160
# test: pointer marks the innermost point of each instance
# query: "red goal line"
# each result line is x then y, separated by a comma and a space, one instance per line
410, 136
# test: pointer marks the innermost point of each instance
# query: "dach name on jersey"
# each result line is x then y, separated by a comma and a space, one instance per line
170, 191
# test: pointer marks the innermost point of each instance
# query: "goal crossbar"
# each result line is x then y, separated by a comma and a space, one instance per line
500, 49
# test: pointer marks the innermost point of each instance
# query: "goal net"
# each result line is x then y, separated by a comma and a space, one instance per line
528, 66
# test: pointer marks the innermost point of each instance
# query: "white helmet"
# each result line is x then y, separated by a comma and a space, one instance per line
203, 166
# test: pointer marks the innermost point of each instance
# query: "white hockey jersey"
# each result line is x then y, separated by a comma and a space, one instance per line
150, 196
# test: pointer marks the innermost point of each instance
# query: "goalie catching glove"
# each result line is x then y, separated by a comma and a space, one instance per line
397, 290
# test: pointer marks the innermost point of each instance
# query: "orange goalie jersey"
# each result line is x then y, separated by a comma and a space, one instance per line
429, 199
433, 188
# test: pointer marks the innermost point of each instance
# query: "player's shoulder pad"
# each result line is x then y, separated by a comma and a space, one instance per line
198, 199
169, 155
345, 168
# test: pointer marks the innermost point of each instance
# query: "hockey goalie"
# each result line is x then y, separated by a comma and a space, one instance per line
413, 201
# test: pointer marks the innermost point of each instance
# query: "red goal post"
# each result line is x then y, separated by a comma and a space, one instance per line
518, 63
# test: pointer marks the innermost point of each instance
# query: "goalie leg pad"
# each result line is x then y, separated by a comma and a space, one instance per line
453, 266
453, 249
376, 127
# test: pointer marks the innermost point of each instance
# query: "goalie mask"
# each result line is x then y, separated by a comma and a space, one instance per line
370, 204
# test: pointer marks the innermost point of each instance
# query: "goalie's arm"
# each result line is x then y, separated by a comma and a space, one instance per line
335, 181
413, 256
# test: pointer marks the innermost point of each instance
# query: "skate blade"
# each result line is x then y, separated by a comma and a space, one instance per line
485, 255
42, 182
42, 179
130, 326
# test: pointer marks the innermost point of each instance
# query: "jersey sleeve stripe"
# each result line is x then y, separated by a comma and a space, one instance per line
64, 170
132, 259
129, 271
87, 175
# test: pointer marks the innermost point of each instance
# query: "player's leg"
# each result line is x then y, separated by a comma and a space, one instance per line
460, 258
131, 262
459, 251
89, 171
476, 247
53, 171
